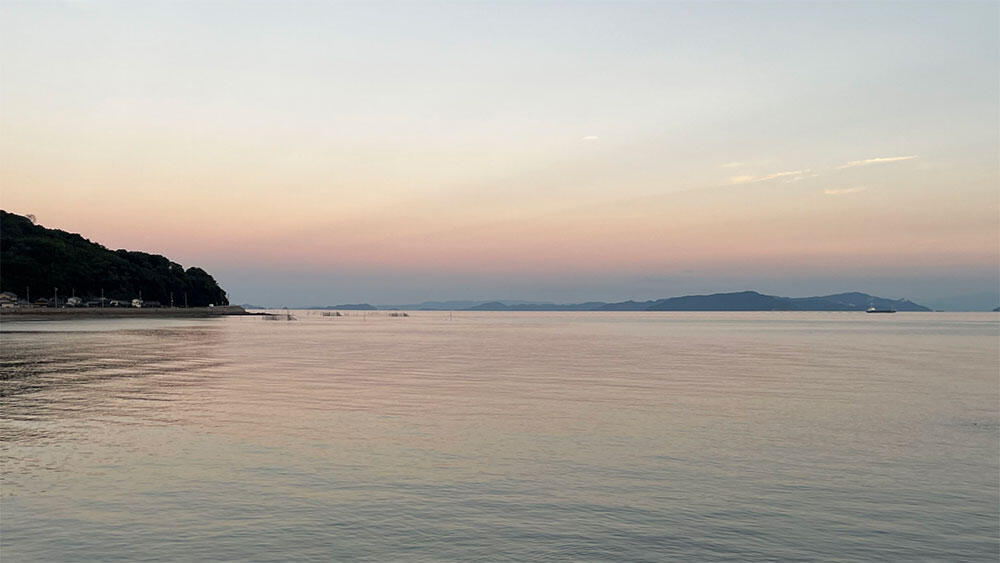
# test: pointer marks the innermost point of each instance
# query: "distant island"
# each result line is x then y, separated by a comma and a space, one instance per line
347, 307
737, 301
49, 267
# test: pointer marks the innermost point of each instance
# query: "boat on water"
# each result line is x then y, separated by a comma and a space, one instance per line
877, 310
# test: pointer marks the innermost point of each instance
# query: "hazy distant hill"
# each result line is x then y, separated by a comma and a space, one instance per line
43, 259
753, 301
500, 306
854, 301
465, 305
347, 307
740, 301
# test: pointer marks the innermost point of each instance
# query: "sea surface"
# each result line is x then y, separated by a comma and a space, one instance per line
502, 436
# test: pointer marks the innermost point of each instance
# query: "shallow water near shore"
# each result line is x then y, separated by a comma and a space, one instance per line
567, 436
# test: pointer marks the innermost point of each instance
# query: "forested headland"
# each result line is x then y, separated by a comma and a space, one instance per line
38, 260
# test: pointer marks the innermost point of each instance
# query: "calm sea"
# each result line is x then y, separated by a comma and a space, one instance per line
492, 436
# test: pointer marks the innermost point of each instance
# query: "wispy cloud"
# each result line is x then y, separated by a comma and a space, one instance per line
842, 191
755, 179
590, 138
877, 160
800, 177
732, 164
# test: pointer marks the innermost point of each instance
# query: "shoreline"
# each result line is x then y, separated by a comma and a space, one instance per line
62, 314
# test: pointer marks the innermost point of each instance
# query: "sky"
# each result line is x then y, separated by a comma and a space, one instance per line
310, 153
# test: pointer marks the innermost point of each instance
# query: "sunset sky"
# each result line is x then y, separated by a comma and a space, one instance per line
326, 152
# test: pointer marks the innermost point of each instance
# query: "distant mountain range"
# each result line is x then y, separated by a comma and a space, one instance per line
347, 307
344, 307
739, 301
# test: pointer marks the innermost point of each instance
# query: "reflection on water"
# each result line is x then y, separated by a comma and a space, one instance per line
501, 435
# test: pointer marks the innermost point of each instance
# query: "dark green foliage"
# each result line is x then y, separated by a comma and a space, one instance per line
43, 259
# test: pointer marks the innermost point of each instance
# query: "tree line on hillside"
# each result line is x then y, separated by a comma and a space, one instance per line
32, 256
